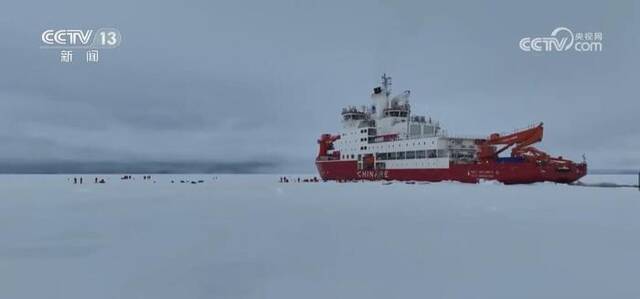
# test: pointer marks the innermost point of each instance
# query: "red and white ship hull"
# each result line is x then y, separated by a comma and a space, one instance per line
522, 172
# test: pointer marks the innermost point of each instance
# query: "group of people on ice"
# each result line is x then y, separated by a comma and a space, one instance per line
284, 179
96, 180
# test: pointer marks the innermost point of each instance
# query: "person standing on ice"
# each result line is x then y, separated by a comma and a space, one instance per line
80, 180
75, 180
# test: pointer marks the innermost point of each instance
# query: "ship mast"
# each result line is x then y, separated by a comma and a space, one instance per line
386, 84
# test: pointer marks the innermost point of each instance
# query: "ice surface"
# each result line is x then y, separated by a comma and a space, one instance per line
252, 237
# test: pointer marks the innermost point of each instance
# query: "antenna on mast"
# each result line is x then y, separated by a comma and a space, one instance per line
386, 84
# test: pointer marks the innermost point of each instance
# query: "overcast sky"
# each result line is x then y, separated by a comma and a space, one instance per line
241, 81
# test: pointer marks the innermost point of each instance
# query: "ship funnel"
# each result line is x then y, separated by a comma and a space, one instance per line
380, 101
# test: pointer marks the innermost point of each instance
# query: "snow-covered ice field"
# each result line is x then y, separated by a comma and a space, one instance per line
248, 236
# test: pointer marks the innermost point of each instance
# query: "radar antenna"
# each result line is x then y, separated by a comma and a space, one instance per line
386, 84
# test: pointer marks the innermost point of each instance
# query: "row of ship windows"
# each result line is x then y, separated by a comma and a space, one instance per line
412, 155
362, 148
364, 131
405, 155
399, 144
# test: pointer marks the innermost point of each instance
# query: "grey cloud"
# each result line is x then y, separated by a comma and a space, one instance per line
218, 82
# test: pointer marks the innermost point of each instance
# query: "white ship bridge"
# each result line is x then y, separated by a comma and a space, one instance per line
387, 134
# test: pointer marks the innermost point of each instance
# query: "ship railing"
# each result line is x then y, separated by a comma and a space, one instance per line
444, 134
351, 109
327, 158
390, 137
466, 136
470, 136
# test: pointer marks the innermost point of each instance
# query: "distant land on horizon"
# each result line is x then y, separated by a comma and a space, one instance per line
613, 171
65, 167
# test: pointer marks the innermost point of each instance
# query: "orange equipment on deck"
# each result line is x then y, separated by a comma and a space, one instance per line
326, 143
520, 141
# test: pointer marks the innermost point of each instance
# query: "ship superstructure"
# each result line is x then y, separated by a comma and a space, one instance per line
385, 141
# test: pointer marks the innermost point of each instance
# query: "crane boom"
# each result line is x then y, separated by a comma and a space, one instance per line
521, 140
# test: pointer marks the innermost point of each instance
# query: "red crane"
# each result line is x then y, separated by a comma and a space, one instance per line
326, 144
521, 142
